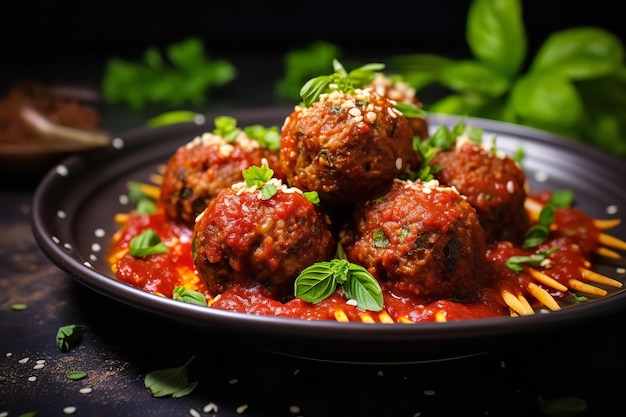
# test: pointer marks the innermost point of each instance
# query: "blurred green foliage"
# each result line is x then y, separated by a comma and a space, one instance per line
575, 84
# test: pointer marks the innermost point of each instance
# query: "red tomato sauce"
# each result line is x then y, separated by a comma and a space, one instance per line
161, 273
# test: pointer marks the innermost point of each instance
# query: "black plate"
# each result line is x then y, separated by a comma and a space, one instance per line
74, 206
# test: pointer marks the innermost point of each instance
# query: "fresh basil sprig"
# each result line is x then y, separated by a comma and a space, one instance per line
147, 243
320, 280
515, 263
339, 80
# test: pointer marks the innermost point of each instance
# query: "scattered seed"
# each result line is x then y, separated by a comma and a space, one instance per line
194, 413
23, 360
39, 366
32, 378
233, 381
241, 409
8, 355
294, 409
85, 390
69, 410
429, 392
210, 408
41, 361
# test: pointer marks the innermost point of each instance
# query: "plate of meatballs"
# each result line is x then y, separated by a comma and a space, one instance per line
352, 217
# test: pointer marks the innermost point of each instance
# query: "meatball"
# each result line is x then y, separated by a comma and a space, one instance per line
199, 169
402, 92
494, 184
346, 146
422, 238
242, 236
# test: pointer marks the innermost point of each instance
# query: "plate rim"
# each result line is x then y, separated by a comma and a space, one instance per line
430, 333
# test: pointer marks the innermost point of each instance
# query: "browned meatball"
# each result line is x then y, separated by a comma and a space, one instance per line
402, 92
242, 237
346, 146
494, 185
200, 169
422, 237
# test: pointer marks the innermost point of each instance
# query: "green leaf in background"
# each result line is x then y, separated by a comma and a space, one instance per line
580, 53
303, 64
420, 70
496, 35
474, 76
184, 75
170, 381
547, 100
172, 117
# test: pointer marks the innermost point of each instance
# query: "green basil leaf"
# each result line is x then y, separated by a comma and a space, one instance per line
547, 99
561, 198
363, 287
466, 75
496, 35
69, 336
76, 375
147, 243
580, 53
146, 206
172, 117
316, 282
170, 381
189, 296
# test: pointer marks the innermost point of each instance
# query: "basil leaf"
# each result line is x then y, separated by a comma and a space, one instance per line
69, 336
76, 375
189, 296
495, 34
562, 198
316, 282
363, 287
146, 206
473, 76
547, 99
147, 243
579, 53
170, 381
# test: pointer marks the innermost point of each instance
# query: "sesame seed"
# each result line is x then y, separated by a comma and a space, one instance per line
61, 214
233, 381
354, 111
39, 366
294, 409
612, 209
370, 116
399, 163
510, 187
32, 378
69, 410
62, 170
210, 408
429, 392
241, 409
621, 270
85, 390
23, 360
391, 112
118, 143
194, 413
541, 176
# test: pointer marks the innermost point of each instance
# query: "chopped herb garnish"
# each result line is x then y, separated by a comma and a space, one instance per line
562, 198
258, 176
312, 196
380, 238
515, 263
539, 232
578, 298
146, 206
189, 296
268, 137
226, 127
19, 307
172, 117
76, 375
147, 243
69, 336
170, 381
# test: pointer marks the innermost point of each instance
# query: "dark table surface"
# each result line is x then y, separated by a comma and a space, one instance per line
582, 365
